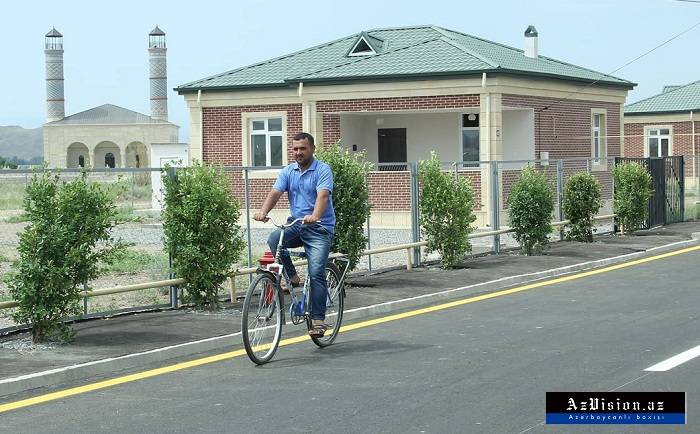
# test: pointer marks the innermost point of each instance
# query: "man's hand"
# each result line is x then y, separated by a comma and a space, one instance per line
311, 219
260, 216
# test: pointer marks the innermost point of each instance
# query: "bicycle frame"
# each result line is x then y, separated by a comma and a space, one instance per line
277, 270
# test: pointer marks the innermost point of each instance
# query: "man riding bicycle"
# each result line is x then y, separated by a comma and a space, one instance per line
309, 186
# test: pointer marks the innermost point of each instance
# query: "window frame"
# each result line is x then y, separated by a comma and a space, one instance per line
268, 134
247, 119
647, 135
602, 136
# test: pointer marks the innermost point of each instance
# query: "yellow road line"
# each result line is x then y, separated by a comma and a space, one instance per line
233, 354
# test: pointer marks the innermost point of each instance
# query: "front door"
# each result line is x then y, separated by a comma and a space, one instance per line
391, 146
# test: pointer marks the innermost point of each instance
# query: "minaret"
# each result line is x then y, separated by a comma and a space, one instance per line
158, 73
55, 104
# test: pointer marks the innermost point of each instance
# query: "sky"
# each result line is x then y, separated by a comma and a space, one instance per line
106, 58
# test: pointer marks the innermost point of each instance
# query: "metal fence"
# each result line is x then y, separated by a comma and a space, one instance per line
394, 193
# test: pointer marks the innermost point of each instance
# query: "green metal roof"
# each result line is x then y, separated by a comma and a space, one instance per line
405, 53
681, 99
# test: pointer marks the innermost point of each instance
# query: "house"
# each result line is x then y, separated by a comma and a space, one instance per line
397, 94
666, 124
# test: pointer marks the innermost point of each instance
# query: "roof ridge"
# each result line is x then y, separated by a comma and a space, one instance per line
583, 67
418, 26
455, 44
83, 111
662, 93
480, 39
315, 47
539, 56
360, 59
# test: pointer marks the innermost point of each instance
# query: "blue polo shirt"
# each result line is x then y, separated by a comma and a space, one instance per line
302, 190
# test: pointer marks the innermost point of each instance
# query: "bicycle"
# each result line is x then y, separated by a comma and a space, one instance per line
263, 308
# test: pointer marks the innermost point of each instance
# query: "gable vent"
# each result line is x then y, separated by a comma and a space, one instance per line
365, 46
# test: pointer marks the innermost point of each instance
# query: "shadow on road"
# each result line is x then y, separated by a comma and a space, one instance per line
340, 349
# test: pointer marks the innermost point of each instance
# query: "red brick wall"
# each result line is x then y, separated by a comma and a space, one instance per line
222, 129
331, 121
390, 191
564, 129
475, 179
682, 138
222, 143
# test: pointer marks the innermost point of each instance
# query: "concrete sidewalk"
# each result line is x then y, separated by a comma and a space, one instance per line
130, 341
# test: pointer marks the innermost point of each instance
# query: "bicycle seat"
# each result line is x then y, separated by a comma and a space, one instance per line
297, 254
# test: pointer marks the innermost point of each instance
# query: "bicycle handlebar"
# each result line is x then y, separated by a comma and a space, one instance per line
287, 225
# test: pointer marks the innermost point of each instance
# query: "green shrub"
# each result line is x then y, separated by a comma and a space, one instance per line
350, 199
530, 207
446, 211
68, 236
632, 191
200, 225
581, 203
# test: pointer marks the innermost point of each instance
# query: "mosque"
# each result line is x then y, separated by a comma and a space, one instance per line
107, 135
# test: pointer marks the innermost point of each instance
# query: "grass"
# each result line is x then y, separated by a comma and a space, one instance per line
125, 214
3, 258
12, 195
20, 218
133, 261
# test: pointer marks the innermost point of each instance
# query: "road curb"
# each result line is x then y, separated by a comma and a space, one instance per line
81, 371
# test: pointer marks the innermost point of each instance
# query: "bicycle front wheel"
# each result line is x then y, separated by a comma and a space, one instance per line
334, 306
262, 319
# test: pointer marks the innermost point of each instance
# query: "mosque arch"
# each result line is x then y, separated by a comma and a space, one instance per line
77, 155
137, 155
107, 154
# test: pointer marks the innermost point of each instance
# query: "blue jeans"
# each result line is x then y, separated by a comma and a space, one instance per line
317, 242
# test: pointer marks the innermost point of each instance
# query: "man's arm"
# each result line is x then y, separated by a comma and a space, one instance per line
319, 207
272, 197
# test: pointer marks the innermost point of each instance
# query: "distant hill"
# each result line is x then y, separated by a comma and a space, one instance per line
21, 142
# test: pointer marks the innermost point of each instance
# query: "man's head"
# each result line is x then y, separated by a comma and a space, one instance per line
303, 148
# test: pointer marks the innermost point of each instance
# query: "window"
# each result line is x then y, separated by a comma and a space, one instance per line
266, 142
598, 136
658, 141
470, 138
81, 161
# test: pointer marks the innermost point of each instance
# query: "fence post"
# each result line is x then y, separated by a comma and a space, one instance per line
246, 196
681, 176
369, 237
495, 207
415, 214
560, 193
85, 300
172, 174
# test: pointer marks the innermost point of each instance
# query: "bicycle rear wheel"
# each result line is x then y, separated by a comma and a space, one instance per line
262, 319
334, 306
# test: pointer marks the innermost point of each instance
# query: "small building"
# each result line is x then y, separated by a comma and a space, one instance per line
666, 124
400, 93
108, 135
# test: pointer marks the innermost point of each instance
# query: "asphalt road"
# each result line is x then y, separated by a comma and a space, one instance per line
478, 367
